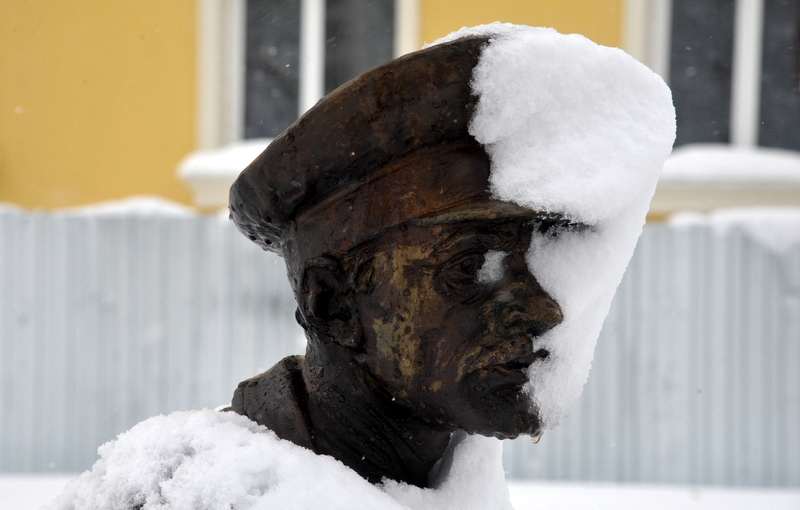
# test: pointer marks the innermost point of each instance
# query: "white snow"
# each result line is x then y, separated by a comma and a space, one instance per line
575, 128
31, 491
776, 228
731, 165
226, 162
28, 491
210, 173
136, 206
8, 207
143, 205
526, 495
492, 269
210, 460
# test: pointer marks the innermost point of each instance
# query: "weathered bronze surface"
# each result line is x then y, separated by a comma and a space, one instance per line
377, 199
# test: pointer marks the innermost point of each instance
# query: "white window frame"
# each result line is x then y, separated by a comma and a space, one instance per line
221, 151
647, 31
221, 62
220, 74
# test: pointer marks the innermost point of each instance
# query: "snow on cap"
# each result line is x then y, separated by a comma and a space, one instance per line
319, 186
580, 130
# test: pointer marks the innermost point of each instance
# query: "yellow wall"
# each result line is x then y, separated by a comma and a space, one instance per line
599, 20
96, 99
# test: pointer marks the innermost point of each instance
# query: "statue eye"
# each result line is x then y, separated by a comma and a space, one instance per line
469, 266
460, 273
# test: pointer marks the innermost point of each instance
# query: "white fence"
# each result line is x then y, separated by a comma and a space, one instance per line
696, 376
106, 321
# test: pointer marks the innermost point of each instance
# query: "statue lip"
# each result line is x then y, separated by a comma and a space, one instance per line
515, 370
526, 360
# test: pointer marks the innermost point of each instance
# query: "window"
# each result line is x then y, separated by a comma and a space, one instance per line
780, 76
272, 64
701, 51
733, 66
358, 35
262, 62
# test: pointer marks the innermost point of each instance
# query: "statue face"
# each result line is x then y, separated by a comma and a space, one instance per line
450, 323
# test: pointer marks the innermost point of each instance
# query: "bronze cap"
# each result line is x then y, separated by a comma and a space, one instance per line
416, 101
388, 147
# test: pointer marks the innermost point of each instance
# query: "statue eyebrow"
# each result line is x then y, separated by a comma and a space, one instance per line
458, 241
474, 235
555, 224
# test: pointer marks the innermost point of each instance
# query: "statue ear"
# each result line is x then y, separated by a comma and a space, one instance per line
326, 302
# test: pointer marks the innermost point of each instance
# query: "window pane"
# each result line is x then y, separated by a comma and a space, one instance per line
700, 69
359, 35
273, 41
780, 98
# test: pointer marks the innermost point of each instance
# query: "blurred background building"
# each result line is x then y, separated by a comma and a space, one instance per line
101, 102
114, 315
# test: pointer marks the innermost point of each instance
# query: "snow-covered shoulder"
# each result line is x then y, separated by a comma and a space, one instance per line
582, 130
208, 460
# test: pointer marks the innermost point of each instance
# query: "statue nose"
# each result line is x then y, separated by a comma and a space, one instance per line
525, 309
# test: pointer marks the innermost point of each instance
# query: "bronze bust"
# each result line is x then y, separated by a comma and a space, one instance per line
454, 225
377, 200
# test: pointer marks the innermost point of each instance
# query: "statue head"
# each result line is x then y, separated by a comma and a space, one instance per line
440, 310
401, 260
454, 225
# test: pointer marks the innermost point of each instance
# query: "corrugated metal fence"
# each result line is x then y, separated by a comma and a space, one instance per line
696, 376
109, 320
106, 321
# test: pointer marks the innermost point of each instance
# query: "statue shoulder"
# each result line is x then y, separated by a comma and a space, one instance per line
277, 399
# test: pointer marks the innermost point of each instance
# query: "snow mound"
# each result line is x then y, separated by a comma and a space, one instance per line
227, 161
583, 130
9, 208
729, 165
776, 228
140, 205
211, 460
132, 206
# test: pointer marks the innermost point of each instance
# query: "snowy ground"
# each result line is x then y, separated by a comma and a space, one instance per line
606, 496
29, 492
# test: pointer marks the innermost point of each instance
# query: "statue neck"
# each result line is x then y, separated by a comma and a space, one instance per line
352, 421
